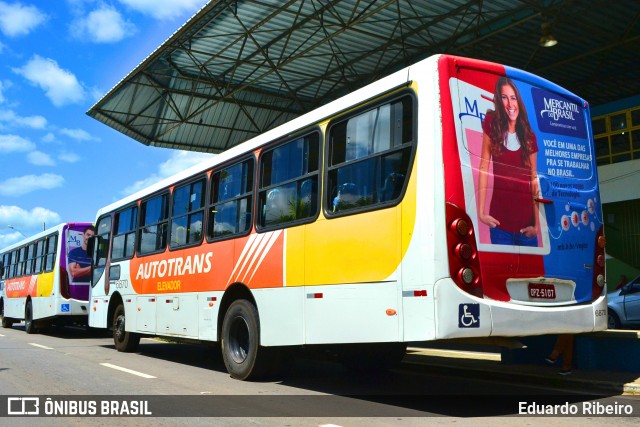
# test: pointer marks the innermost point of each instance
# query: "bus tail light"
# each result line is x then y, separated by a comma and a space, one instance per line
65, 291
598, 288
464, 265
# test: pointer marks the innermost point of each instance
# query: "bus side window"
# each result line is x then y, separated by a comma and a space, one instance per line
153, 224
230, 211
369, 157
288, 190
187, 213
124, 238
52, 246
39, 257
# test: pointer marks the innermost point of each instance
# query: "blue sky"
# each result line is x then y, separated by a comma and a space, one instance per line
57, 59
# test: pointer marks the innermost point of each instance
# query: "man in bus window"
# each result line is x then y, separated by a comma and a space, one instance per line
79, 263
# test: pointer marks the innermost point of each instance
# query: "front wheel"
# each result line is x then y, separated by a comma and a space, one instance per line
124, 341
29, 325
6, 321
243, 357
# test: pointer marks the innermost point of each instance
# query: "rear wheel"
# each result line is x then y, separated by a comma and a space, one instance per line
613, 321
29, 325
124, 341
243, 356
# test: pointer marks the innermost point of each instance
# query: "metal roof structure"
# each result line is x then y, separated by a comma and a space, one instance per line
240, 67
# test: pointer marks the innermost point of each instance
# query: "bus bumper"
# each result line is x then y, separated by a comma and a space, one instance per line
461, 315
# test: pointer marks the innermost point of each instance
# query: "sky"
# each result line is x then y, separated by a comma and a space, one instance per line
57, 59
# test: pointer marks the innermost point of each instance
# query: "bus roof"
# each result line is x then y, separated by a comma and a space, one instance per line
43, 233
307, 120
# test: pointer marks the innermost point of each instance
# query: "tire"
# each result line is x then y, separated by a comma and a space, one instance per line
29, 324
613, 321
124, 341
374, 357
241, 352
6, 321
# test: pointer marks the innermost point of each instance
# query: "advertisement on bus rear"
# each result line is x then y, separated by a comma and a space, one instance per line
529, 178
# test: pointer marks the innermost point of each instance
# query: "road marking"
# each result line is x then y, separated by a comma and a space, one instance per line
129, 371
41, 346
1, 335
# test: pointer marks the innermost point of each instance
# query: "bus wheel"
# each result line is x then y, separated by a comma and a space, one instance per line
29, 325
124, 341
6, 321
243, 357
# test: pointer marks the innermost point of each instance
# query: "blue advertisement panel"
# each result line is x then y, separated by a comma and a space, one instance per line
530, 184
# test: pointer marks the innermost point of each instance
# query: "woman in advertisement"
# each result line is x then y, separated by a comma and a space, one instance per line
510, 146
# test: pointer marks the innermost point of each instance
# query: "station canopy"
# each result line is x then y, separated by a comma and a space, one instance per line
238, 68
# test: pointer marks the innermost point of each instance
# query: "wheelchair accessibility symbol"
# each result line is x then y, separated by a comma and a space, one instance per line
469, 316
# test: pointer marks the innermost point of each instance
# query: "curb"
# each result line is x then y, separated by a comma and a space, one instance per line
496, 370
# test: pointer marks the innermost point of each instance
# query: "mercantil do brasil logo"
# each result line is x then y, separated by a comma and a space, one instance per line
559, 109
559, 114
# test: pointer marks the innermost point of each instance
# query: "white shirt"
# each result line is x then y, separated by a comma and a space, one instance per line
512, 142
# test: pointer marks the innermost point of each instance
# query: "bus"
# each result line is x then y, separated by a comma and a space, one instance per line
382, 218
44, 279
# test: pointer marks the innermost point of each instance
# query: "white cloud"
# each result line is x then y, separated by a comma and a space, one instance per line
69, 157
23, 221
78, 134
49, 137
179, 161
12, 143
10, 238
103, 25
39, 158
165, 9
19, 20
34, 122
60, 86
21, 185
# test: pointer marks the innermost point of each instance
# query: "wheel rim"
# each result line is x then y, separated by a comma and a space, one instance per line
239, 340
119, 328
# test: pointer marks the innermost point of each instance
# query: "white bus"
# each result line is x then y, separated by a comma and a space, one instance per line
454, 198
45, 278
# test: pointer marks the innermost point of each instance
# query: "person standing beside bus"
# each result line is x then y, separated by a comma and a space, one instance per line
79, 263
510, 144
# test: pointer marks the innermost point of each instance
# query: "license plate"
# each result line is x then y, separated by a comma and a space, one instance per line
542, 291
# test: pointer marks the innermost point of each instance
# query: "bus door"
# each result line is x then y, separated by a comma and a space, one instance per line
99, 253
